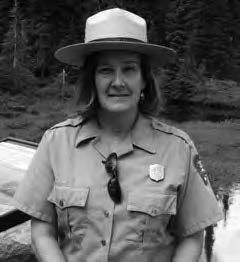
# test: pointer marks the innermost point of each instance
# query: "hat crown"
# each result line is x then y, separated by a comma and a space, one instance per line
115, 23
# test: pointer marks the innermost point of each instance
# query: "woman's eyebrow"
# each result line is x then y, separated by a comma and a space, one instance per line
132, 61
103, 63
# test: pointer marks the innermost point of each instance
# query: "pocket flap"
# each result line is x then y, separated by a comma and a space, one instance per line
66, 196
151, 203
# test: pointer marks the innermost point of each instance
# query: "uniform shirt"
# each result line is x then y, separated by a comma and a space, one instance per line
67, 178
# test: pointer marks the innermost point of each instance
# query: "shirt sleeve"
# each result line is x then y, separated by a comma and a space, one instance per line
32, 193
198, 207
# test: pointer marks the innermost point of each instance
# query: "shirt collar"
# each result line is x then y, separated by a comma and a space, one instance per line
88, 130
142, 135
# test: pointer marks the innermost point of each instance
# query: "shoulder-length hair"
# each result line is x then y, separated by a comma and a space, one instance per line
87, 100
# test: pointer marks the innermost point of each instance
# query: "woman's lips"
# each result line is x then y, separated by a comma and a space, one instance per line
118, 95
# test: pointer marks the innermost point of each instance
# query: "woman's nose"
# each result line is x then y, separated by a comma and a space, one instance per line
118, 80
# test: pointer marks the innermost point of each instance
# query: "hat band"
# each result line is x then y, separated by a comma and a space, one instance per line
117, 39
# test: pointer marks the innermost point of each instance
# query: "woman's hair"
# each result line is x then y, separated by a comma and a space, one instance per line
87, 101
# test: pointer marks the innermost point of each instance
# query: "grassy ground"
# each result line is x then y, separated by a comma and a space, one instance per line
218, 143
213, 91
219, 146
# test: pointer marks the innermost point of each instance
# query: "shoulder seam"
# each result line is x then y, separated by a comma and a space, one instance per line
170, 130
70, 122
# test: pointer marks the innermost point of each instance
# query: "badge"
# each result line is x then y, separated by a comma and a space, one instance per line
156, 172
200, 169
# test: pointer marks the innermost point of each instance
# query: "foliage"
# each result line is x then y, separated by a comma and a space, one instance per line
201, 33
15, 75
16, 80
5, 6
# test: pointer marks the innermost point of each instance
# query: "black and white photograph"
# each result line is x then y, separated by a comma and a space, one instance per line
119, 131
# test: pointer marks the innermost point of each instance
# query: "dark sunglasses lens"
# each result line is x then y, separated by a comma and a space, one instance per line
114, 190
111, 163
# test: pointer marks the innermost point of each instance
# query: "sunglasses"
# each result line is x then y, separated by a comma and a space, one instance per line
114, 189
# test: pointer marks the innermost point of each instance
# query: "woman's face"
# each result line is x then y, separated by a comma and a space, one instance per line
118, 80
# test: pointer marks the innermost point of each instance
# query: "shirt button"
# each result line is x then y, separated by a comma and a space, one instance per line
154, 211
140, 233
61, 203
103, 242
106, 213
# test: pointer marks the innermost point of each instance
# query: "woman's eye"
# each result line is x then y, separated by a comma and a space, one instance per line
130, 68
104, 70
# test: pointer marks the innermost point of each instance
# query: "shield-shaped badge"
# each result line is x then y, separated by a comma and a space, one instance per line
156, 172
200, 169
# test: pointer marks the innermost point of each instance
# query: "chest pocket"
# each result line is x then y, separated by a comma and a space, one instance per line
154, 211
71, 209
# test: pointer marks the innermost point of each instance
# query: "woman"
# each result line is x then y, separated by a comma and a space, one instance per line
115, 184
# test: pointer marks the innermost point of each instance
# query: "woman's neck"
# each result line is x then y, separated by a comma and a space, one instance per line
118, 124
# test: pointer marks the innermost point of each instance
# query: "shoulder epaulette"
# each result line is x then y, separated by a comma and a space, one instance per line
69, 122
171, 130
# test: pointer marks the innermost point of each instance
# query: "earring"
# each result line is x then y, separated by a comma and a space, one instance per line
142, 97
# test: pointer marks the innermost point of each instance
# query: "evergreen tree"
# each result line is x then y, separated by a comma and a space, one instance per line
179, 33
5, 7
233, 69
216, 44
200, 31
14, 74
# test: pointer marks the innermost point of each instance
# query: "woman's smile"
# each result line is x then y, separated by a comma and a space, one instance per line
111, 93
118, 95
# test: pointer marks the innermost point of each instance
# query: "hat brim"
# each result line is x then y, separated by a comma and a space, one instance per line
76, 54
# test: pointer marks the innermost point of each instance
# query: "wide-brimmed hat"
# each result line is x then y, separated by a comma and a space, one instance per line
115, 29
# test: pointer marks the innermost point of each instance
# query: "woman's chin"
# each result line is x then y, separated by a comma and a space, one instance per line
119, 108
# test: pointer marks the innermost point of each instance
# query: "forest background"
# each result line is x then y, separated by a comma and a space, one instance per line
201, 88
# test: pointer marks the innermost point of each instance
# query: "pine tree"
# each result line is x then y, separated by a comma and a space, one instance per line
233, 69
14, 74
5, 7
200, 31
179, 32
215, 48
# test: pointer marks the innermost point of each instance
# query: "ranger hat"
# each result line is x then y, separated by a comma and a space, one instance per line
115, 29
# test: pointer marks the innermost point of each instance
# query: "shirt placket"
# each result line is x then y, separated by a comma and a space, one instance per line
108, 211
108, 218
